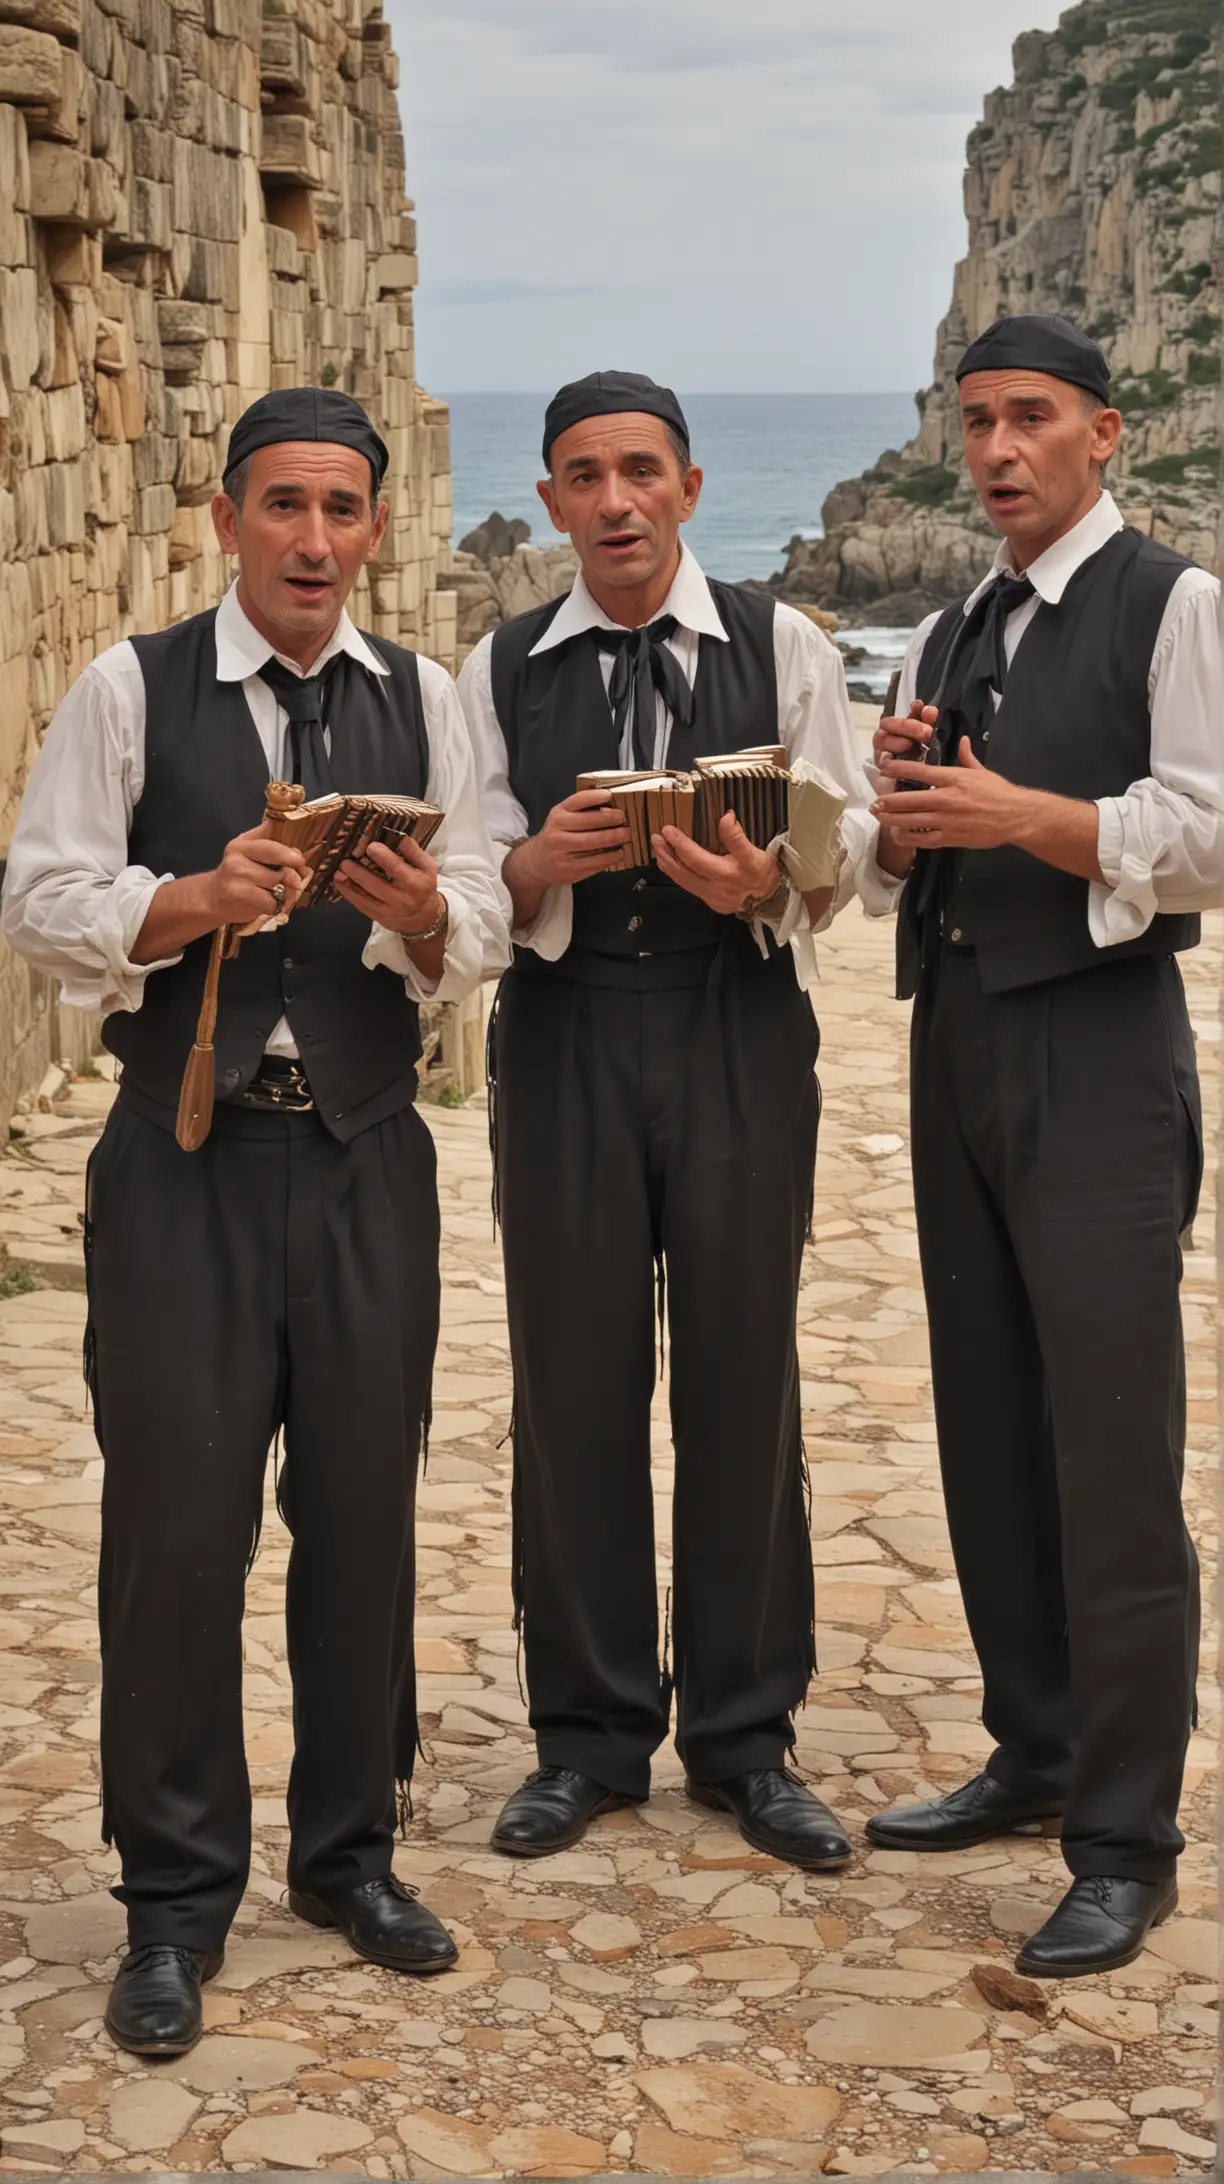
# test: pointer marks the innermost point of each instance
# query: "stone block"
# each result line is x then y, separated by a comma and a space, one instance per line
156, 508
108, 409
112, 351
31, 66
154, 459
106, 118
148, 221
395, 271
287, 151
66, 186
61, 18
30, 496
66, 433
182, 322
65, 503
198, 474
282, 59
74, 257
19, 336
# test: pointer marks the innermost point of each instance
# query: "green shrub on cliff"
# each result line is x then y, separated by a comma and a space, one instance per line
930, 488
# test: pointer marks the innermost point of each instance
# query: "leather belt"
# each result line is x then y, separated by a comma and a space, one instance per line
279, 1082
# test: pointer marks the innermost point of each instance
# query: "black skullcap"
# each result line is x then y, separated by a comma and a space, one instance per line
1033, 343
306, 413
610, 394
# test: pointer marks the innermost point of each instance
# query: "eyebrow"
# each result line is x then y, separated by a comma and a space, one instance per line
634, 455
1025, 401
334, 492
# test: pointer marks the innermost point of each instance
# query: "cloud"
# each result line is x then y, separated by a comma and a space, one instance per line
758, 197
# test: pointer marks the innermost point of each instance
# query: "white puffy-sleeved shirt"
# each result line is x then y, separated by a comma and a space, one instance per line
813, 722
74, 905
1160, 845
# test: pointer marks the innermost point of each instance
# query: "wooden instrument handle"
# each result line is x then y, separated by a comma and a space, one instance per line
198, 1091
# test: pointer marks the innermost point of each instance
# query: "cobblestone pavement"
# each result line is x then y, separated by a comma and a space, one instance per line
660, 1999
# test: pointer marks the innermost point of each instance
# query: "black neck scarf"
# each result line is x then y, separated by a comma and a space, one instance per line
983, 664
643, 665
304, 698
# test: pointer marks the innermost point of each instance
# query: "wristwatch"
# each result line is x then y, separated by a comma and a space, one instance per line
768, 907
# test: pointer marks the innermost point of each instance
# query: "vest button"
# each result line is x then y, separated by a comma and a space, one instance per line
956, 933
638, 885
635, 925
232, 1076
287, 998
288, 962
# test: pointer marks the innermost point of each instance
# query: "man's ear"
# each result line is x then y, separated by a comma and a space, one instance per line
690, 489
1106, 433
548, 494
382, 515
225, 522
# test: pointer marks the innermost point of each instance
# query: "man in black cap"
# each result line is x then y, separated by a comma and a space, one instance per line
655, 1108
284, 1277
1061, 833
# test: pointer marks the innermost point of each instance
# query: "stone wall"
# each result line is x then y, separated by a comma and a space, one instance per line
198, 201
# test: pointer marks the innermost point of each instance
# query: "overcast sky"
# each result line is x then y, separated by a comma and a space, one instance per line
735, 195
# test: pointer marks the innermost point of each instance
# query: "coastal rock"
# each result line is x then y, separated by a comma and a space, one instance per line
495, 574
1092, 192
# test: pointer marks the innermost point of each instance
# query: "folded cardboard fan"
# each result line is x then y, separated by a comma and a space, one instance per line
326, 830
647, 802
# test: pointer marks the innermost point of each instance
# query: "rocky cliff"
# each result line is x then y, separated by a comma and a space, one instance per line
1093, 189
198, 200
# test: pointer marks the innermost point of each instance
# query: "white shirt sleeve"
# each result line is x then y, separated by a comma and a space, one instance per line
477, 935
549, 932
1161, 845
73, 905
814, 722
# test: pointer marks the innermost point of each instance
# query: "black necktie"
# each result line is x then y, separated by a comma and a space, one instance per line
643, 665
985, 668
304, 698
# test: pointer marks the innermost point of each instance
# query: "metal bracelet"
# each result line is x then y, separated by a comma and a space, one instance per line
431, 932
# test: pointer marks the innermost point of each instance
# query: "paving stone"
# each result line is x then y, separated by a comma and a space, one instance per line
149, 2113
303, 2139
721, 2100
895, 2038
230, 2063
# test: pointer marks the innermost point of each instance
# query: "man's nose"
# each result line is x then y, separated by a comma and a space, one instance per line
313, 542
614, 497
1001, 447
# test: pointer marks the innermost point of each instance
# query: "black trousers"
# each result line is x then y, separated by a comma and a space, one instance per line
675, 1127
1057, 1152
273, 1279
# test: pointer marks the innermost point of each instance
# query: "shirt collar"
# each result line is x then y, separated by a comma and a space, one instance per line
690, 600
241, 651
1053, 570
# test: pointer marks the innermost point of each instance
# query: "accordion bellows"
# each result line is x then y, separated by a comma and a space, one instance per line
332, 828
754, 784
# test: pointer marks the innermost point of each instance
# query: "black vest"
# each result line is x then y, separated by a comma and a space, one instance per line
554, 714
1075, 720
205, 777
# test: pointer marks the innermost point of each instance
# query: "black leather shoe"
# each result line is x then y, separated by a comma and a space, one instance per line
552, 1811
155, 2005
984, 1808
1099, 1925
384, 1921
778, 1814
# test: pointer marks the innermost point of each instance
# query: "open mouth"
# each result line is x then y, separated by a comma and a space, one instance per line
309, 587
1007, 496
620, 542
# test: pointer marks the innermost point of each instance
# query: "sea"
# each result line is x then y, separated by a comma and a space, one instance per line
769, 461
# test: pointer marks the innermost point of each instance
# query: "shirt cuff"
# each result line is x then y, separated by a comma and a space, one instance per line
551, 930
877, 890
123, 911
462, 960
1123, 908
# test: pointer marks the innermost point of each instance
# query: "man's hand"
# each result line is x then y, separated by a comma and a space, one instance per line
401, 895
256, 878
742, 874
579, 838
956, 807
968, 807
896, 737
242, 887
